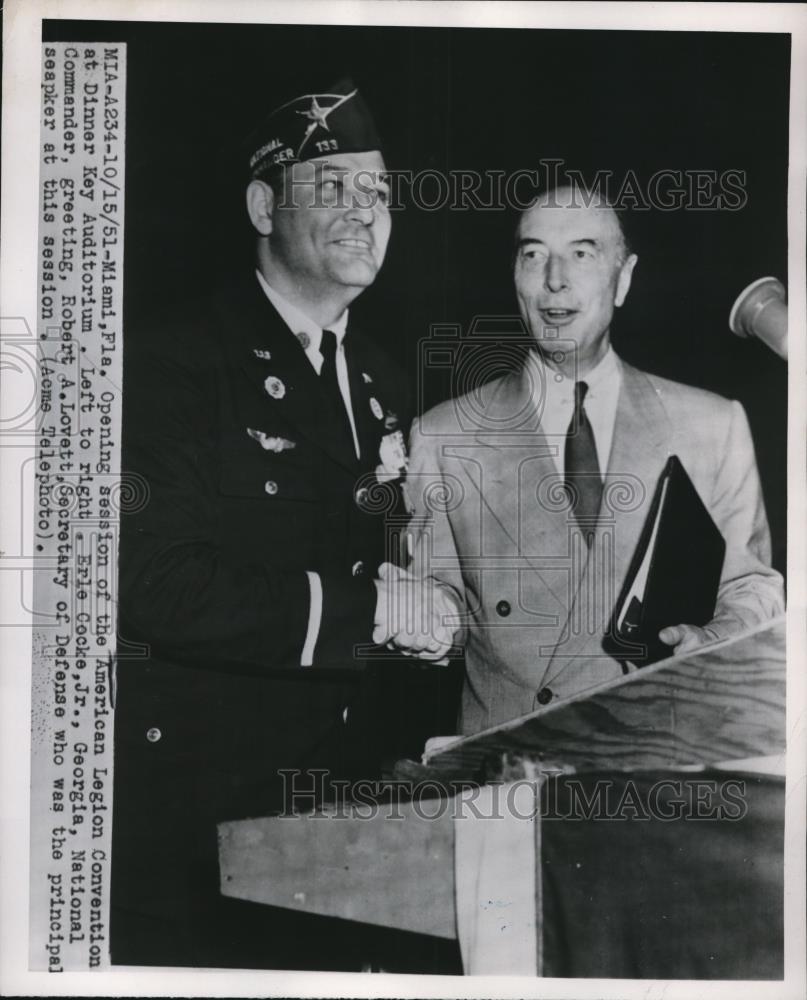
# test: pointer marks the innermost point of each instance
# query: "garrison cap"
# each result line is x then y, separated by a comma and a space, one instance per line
313, 125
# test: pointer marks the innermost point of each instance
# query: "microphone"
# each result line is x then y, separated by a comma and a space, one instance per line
760, 311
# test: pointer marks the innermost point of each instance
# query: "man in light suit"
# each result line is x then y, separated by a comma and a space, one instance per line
525, 578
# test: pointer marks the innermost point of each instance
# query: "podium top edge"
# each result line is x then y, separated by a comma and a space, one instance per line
773, 625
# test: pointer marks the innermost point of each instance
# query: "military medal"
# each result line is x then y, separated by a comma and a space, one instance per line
275, 387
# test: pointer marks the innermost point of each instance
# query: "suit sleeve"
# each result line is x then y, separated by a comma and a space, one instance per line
751, 592
182, 592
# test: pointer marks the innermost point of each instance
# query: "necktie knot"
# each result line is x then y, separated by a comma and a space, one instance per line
580, 390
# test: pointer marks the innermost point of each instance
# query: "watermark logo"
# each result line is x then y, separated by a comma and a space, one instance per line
317, 795
669, 189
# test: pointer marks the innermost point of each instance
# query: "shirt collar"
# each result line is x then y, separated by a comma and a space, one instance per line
600, 376
606, 369
296, 320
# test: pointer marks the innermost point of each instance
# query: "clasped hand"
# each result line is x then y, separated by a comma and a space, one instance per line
411, 614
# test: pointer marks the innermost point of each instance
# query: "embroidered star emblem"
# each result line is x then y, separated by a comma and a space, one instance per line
318, 116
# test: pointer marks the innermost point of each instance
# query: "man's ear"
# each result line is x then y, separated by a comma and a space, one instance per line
624, 279
260, 206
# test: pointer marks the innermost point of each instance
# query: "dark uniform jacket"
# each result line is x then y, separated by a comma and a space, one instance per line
211, 700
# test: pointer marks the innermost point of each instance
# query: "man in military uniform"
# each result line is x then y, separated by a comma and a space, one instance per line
270, 435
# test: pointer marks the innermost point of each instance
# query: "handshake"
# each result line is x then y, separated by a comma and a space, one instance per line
416, 615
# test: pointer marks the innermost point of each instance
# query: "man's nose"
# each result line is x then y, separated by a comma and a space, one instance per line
362, 206
362, 214
555, 274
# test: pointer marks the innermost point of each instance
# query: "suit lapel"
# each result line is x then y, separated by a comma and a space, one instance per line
640, 447
518, 461
369, 427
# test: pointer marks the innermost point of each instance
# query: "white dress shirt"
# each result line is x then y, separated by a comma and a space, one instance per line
298, 323
553, 395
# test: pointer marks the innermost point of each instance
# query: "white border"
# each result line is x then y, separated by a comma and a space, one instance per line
21, 41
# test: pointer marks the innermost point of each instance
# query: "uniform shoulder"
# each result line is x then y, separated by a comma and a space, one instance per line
181, 331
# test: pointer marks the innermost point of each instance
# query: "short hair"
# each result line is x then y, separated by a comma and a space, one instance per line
278, 180
549, 196
273, 176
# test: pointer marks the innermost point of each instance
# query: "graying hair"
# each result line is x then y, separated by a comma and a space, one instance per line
585, 197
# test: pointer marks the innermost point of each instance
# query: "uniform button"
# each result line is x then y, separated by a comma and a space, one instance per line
358, 568
503, 609
544, 696
271, 487
153, 734
361, 496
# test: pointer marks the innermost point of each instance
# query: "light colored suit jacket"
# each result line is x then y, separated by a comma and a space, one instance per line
491, 520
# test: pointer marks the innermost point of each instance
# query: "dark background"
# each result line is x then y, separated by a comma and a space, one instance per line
484, 99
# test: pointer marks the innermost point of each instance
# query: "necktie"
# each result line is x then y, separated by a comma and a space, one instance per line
333, 395
582, 480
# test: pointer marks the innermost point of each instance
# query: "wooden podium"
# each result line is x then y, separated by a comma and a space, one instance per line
401, 866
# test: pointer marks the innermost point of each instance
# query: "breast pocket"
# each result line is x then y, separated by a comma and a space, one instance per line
269, 507
254, 465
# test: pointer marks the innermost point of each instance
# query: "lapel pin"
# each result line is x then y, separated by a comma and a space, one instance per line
262, 355
375, 406
367, 379
304, 339
274, 387
392, 452
268, 443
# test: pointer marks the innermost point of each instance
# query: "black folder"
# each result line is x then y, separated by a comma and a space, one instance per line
674, 574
